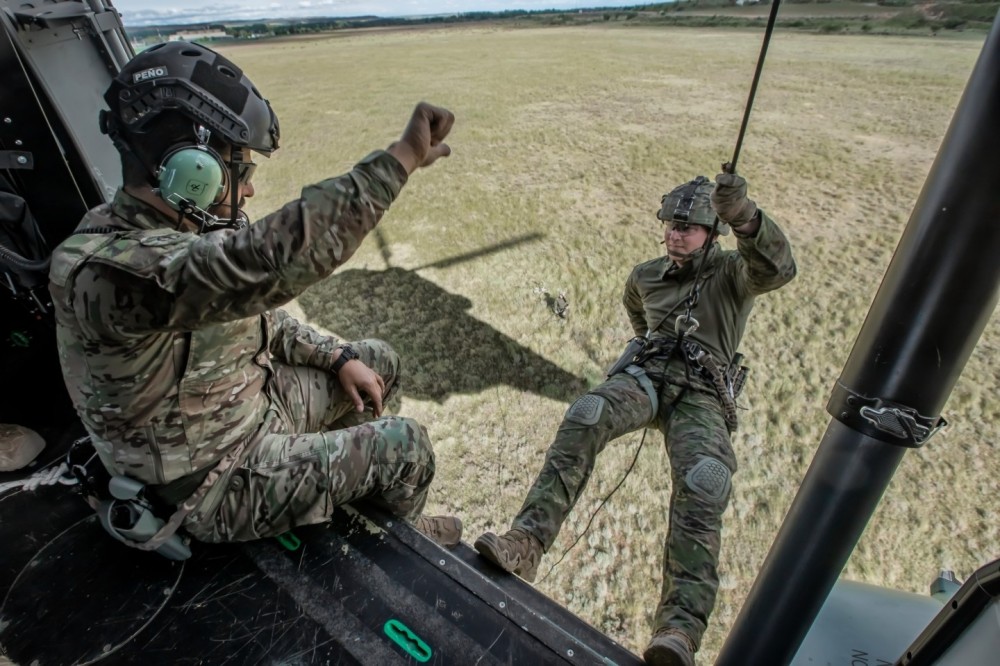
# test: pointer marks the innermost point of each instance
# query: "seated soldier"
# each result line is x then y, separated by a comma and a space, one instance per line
182, 367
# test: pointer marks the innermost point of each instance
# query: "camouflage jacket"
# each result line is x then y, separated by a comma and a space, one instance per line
656, 290
166, 337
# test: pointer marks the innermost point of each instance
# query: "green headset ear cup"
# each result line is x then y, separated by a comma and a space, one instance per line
193, 174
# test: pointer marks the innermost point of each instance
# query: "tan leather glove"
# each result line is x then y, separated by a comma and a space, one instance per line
729, 199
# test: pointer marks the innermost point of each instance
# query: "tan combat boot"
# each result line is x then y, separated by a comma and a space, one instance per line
517, 551
444, 530
670, 647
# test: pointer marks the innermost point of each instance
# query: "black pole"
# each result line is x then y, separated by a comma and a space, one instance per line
937, 296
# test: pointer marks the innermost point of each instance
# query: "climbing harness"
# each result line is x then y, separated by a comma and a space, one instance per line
727, 382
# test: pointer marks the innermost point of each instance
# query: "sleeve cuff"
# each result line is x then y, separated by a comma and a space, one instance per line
386, 168
760, 217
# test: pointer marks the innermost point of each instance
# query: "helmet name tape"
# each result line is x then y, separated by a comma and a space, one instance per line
151, 73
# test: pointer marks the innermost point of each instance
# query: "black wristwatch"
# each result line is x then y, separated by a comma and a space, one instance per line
347, 353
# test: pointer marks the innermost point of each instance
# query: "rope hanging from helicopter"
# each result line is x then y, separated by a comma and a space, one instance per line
730, 167
686, 320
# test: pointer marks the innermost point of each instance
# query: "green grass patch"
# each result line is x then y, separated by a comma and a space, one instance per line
564, 142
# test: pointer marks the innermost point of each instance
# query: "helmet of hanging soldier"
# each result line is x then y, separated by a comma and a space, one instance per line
165, 95
691, 203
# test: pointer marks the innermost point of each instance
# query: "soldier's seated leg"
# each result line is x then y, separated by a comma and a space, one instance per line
289, 480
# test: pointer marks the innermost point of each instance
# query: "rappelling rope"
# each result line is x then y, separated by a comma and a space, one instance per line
48, 476
730, 167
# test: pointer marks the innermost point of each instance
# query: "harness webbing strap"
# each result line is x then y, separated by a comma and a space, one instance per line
647, 385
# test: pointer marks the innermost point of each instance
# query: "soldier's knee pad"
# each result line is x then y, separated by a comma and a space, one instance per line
587, 410
710, 479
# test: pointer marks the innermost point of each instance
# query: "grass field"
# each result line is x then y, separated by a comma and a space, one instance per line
564, 142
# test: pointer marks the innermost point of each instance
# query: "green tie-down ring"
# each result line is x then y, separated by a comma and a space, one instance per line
406, 639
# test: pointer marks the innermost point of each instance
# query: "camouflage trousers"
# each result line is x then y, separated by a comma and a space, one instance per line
701, 467
315, 452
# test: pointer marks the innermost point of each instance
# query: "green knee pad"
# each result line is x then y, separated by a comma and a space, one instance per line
587, 410
710, 478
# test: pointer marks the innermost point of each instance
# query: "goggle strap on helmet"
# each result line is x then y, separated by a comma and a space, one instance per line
203, 135
690, 203
682, 211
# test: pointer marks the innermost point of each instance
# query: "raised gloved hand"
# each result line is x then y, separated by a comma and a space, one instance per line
729, 199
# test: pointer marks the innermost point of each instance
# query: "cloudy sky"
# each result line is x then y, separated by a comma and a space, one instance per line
150, 12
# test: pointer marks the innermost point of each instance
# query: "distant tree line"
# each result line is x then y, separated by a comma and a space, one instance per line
911, 16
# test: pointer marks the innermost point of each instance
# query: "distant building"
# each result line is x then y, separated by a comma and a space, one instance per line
195, 35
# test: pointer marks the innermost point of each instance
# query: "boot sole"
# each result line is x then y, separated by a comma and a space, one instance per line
660, 655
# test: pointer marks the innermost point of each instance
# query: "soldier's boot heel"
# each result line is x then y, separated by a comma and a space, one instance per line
669, 647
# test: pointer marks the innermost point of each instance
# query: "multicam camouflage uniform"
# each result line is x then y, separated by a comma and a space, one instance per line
687, 411
175, 357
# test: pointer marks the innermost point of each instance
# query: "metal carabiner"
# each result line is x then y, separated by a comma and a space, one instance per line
688, 320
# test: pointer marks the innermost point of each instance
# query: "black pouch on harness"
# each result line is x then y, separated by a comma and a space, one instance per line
727, 381
633, 350
736, 376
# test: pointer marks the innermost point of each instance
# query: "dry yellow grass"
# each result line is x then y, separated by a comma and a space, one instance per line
564, 141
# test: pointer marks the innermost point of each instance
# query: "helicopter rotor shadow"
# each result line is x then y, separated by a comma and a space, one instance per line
445, 350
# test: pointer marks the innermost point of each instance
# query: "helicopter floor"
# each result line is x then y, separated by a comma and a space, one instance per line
363, 589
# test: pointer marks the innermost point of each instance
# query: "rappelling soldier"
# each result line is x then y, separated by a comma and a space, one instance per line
680, 374
189, 378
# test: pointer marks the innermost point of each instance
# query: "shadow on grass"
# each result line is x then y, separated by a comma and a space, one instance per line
444, 349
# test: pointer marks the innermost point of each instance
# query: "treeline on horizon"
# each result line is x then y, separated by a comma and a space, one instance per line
881, 17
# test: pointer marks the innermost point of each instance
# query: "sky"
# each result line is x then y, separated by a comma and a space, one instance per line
136, 13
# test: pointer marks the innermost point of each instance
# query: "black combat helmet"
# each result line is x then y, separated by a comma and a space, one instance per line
691, 203
163, 94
